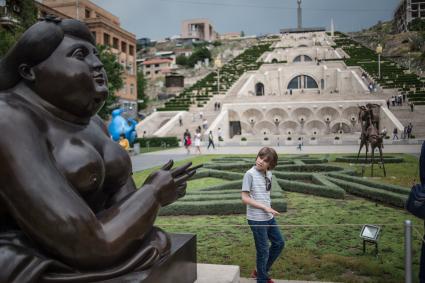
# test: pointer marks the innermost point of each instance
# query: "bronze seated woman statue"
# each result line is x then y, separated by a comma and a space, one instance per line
69, 209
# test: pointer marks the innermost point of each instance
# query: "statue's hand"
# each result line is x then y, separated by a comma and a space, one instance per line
169, 185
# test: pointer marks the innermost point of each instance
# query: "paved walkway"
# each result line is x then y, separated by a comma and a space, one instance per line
248, 280
149, 160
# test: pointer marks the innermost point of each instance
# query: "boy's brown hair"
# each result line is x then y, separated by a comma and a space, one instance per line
270, 155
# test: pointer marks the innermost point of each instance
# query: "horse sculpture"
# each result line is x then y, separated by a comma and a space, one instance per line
369, 119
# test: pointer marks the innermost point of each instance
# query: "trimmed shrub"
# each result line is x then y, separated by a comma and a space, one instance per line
229, 166
353, 159
222, 207
313, 168
359, 180
225, 175
158, 141
312, 189
386, 197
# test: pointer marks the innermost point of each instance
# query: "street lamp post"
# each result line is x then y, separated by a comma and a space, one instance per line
379, 52
218, 65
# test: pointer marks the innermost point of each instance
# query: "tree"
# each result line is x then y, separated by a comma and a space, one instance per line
7, 39
417, 25
26, 18
114, 71
181, 60
200, 54
141, 87
242, 33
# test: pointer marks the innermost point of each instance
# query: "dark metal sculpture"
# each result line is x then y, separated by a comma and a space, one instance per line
70, 211
369, 119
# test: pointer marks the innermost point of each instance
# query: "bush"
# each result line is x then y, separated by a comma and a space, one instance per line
243, 138
266, 138
181, 60
221, 207
226, 175
390, 198
336, 138
353, 159
158, 141
288, 138
312, 189
219, 199
199, 55
381, 186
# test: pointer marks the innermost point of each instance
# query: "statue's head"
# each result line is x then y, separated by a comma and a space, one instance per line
58, 60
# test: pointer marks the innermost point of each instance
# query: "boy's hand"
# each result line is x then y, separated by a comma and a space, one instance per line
272, 211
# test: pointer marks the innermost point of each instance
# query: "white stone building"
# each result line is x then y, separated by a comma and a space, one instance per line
316, 98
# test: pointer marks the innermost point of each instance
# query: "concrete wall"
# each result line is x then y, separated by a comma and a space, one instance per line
336, 76
312, 118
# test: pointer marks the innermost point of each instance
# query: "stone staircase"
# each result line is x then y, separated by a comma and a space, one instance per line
191, 119
416, 117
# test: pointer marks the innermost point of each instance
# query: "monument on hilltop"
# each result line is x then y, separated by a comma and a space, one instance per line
299, 28
299, 15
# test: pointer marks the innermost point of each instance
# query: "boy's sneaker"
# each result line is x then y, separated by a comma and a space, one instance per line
254, 276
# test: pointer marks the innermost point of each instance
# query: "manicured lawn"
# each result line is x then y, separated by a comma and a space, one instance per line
319, 246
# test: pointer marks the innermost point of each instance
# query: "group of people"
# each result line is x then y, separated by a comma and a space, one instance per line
370, 84
396, 100
217, 106
187, 140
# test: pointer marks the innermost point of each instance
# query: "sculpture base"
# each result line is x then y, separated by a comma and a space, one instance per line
178, 267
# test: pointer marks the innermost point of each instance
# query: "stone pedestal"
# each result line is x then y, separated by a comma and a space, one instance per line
178, 267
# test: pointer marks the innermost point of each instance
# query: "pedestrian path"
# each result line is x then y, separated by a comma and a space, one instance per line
249, 280
152, 159
292, 149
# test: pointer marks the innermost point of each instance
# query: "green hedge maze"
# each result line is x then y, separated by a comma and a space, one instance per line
301, 174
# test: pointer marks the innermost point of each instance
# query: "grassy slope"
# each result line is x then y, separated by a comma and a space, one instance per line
312, 253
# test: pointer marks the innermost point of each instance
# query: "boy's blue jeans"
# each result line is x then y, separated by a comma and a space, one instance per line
266, 254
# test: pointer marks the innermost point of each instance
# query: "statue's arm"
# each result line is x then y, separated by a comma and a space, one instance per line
52, 213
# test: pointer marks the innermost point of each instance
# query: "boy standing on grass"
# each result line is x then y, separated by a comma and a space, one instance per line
256, 187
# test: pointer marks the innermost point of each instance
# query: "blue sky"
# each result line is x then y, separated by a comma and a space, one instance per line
157, 19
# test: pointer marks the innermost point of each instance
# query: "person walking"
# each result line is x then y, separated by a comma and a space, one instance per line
409, 130
395, 133
187, 140
256, 187
412, 106
180, 121
300, 143
205, 124
220, 135
197, 140
210, 140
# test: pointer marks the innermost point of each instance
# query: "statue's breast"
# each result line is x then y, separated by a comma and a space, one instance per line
81, 164
117, 165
